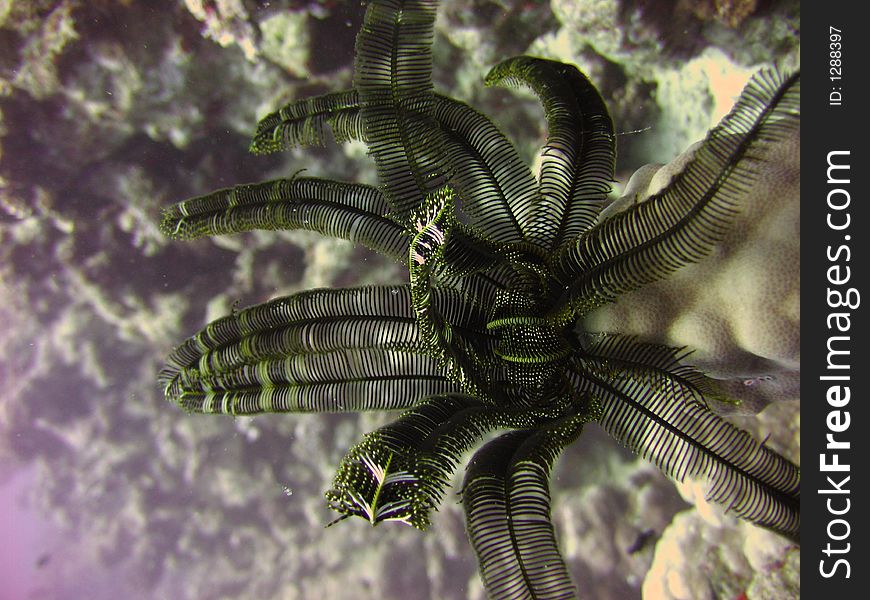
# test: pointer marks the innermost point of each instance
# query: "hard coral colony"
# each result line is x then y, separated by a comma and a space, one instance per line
485, 335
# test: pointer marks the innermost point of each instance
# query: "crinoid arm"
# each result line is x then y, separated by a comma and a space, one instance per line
498, 190
317, 351
682, 223
350, 211
393, 76
507, 505
426, 444
304, 123
655, 405
579, 155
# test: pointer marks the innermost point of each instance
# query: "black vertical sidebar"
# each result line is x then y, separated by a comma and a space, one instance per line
835, 447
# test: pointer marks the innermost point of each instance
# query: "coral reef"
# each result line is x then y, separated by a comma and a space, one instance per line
111, 109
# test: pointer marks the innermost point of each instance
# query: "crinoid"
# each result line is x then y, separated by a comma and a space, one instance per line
485, 335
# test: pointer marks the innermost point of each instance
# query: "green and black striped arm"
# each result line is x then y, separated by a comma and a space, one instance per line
317, 351
654, 405
665, 368
681, 224
507, 509
578, 158
350, 211
393, 77
425, 444
497, 190
304, 123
